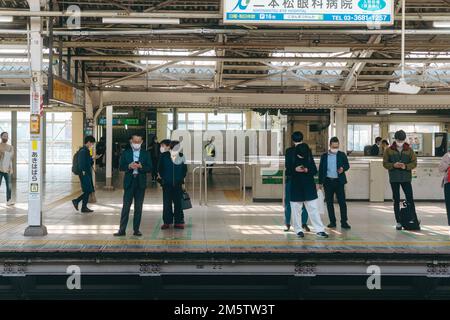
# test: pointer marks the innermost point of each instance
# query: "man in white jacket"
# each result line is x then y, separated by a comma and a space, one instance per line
6, 167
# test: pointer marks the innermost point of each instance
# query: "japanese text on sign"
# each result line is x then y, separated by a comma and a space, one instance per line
309, 11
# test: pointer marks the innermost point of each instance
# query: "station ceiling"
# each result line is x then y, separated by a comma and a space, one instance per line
201, 53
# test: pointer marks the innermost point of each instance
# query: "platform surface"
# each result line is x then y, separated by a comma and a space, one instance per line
225, 226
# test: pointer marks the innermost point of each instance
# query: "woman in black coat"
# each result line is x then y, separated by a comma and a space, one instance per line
302, 168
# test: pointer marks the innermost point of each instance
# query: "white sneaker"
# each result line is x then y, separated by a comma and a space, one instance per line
399, 226
10, 203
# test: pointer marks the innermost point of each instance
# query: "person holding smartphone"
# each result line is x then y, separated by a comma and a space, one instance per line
400, 159
136, 164
302, 168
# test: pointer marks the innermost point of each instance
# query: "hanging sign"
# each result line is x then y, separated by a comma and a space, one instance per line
309, 12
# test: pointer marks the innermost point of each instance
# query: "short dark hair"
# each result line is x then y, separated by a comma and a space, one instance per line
400, 135
89, 139
334, 140
385, 141
297, 136
136, 135
165, 142
1, 135
378, 139
174, 143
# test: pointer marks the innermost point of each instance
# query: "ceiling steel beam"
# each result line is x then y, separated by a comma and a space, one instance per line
246, 59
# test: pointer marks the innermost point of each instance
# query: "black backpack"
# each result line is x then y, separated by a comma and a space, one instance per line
75, 166
408, 218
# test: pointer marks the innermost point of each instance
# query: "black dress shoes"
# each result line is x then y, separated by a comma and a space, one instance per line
75, 204
119, 234
86, 210
137, 234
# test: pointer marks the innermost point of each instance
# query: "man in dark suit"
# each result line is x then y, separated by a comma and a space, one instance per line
375, 150
85, 163
136, 163
332, 168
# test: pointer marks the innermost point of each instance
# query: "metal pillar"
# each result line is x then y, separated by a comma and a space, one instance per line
175, 119
44, 145
35, 224
341, 127
109, 144
338, 126
14, 141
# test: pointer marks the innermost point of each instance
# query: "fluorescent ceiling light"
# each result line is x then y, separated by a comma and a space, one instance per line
403, 87
388, 112
441, 24
120, 113
6, 19
317, 49
140, 21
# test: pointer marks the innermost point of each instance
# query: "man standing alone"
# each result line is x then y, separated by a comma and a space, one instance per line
332, 168
6, 168
84, 171
136, 164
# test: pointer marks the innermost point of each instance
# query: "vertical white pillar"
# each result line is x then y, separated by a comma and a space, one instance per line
35, 224
109, 144
14, 141
341, 127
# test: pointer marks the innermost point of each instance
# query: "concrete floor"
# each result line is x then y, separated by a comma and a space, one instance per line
224, 226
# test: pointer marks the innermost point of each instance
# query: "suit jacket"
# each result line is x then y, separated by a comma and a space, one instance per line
85, 163
375, 150
342, 162
170, 173
126, 159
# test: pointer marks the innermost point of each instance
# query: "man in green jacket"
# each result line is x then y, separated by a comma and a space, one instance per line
400, 160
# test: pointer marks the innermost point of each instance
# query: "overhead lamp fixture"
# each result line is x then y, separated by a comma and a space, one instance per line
389, 112
441, 24
6, 19
120, 113
402, 86
140, 21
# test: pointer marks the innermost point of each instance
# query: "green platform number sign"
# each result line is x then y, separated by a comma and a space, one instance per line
269, 176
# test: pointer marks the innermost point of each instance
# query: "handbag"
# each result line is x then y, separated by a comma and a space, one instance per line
321, 200
186, 201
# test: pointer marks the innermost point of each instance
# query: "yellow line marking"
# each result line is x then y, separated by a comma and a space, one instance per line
228, 242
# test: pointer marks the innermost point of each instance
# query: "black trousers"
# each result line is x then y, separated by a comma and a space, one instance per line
332, 187
172, 195
407, 189
84, 198
447, 200
136, 193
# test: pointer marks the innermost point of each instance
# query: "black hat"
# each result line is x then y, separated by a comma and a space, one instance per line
400, 135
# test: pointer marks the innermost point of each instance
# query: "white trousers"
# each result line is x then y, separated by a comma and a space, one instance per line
313, 213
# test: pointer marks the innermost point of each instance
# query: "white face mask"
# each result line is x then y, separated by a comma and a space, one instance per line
136, 146
162, 149
174, 153
333, 150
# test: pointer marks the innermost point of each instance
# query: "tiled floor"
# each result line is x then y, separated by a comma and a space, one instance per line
224, 226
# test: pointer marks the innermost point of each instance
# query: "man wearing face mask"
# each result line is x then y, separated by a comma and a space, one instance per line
85, 163
136, 164
172, 170
6, 165
400, 159
332, 168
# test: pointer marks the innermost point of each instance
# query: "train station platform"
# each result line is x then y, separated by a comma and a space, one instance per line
225, 226
241, 249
